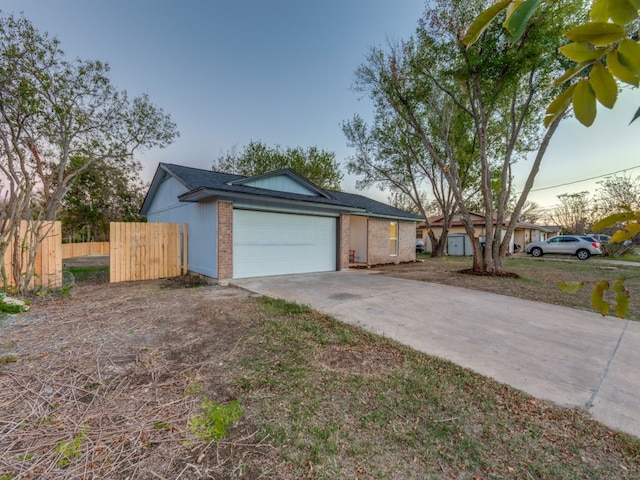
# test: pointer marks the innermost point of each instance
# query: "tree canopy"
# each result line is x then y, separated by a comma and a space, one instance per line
475, 109
603, 51
578, 212
389, 156
317, 165
102, 193
54, 111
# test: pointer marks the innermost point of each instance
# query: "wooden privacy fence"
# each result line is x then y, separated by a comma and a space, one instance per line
48, 261
146, 251
70, 250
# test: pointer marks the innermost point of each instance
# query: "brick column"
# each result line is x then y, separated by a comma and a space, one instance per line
343, 254
225, 241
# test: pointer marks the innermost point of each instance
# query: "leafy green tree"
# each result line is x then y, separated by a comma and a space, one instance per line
615, 195
52, 111
627, 223
492, 93
604, 52
256, 158
390, 157
604, 296
103, 193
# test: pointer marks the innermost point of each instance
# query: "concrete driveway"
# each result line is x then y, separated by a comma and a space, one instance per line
571, 357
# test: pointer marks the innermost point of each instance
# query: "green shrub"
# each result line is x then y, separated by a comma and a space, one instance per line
211, 425
70, 449
6, 307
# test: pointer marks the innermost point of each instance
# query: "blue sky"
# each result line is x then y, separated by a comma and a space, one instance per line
281, 71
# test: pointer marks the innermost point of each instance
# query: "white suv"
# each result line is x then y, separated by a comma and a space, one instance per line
579, 245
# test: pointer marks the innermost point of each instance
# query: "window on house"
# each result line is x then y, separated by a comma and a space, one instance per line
419, 234
393, 238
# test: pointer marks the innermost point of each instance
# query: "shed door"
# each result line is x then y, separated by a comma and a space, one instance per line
456, 245
266, 243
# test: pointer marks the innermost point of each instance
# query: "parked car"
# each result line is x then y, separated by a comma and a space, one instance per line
579, 245
601, 238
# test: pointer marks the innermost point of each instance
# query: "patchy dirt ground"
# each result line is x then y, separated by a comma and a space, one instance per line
105, 382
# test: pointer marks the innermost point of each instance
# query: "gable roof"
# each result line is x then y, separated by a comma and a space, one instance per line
291, 174
204, 184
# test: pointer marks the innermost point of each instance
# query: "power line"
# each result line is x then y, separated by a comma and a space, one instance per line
583, 180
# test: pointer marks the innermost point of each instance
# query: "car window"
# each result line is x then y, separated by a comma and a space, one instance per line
555, 240
590, 239
570, 239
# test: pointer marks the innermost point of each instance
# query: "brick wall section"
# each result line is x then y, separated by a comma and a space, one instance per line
343, 254
225, 240
378, 242
407, 247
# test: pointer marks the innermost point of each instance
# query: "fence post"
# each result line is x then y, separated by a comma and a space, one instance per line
184, 264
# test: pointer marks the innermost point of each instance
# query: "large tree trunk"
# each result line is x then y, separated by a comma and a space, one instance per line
438, 244
498, 264
478, 255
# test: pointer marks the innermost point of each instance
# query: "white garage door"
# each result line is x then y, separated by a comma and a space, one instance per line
266, 243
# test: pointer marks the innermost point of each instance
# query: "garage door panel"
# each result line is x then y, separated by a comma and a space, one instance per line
267, 243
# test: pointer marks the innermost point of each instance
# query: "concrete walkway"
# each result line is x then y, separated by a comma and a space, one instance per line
571, 357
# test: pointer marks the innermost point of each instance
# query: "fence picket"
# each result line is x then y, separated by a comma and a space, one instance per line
48, 265
138, 251
70, 250
145, 251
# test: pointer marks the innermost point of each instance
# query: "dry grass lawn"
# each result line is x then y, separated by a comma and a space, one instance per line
538, 280
110, 384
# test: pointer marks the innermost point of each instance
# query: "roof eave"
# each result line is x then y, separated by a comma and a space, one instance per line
153, 188
204, 193
392, 217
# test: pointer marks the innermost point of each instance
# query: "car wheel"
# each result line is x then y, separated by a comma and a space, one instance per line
583, 254
536, 252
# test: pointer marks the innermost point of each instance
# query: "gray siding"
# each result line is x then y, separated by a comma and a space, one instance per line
166, 200
281, 183
202, 221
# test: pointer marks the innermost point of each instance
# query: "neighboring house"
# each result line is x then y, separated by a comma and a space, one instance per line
526, 232
422, 235
275, 224
553, 231
458, 243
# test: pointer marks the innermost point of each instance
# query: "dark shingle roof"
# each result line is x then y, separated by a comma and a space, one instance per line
371, 206
195, 179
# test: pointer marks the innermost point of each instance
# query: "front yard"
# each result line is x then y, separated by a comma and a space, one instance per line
538, 280
110, 384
